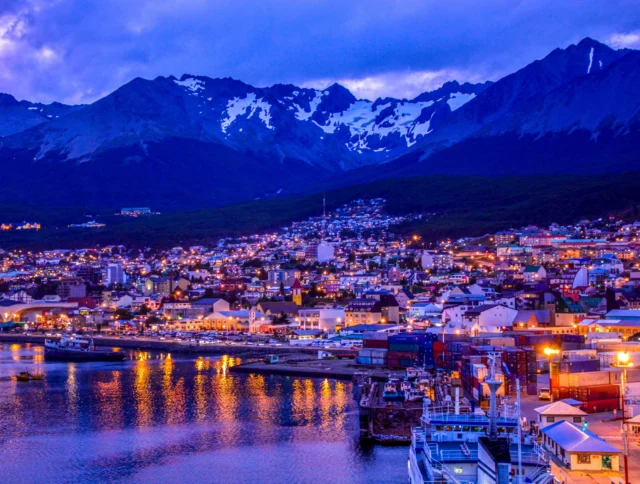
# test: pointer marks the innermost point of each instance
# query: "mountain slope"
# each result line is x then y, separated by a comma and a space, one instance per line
197, 141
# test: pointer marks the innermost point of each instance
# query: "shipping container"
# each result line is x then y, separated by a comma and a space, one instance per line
598, 406
576, 366
375, 343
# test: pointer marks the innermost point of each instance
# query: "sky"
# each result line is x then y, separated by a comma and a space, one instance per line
76, 51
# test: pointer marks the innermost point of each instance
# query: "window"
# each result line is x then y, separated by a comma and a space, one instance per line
551, 419
577, 419
584, 459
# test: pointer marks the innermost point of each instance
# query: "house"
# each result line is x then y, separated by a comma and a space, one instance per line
532, 318
363, 311
576, 449
404, 298
534, 273
558, 411
160, 285
490, 315
277, 308
210, 304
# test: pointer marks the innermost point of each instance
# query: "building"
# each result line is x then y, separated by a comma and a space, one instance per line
322, 252
284, 276
71, 287
321, 319
296, 292
504, 237
558, 411
575, 449
89, 274
135, 211
437, 259
363, 311
240, 320
534, 273
114, 274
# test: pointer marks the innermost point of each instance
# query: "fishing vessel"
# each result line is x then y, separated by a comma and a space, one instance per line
26, 376
461, 444
74, 348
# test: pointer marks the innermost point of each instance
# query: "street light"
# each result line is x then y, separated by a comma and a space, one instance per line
550, 352
623, 361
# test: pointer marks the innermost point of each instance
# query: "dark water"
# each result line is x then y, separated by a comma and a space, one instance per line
159, 419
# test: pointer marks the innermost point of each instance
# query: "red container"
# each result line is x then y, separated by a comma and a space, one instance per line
438, 346
560, 393
375, 343
402, 355
597, 406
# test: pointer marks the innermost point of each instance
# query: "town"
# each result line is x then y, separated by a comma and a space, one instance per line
558, 306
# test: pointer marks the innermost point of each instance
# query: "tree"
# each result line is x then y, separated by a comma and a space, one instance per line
144, 309
123, 314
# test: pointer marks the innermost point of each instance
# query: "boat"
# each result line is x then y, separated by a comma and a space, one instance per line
271, 359
26, 376
74, 348
23, 376
457, 443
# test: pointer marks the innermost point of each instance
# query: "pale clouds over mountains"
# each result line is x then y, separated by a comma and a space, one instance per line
77, 51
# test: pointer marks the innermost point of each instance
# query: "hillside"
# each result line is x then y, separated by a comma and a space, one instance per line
464, 206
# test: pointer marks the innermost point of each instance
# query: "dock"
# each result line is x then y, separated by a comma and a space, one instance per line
344, 369
146, 344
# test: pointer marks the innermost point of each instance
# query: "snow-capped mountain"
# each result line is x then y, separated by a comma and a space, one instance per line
194, 129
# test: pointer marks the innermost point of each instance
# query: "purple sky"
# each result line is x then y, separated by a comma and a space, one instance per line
79, 50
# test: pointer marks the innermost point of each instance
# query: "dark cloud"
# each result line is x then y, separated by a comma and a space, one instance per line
79, 50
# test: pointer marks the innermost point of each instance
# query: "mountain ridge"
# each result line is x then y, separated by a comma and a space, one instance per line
283, 139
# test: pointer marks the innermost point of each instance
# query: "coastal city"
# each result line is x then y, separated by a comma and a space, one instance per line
516, 348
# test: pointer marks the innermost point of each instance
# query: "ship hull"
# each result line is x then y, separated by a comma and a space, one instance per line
75, 355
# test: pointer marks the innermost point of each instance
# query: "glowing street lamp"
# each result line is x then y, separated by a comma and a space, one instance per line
623, 361
550, 352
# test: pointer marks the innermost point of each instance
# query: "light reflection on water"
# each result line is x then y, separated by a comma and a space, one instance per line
166, 418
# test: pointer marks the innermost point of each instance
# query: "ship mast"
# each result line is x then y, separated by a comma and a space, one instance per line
494, 384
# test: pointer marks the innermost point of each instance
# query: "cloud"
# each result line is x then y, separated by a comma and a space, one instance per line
403, 84
630, 40
75, 51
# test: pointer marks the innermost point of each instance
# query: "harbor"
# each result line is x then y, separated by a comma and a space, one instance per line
185, 418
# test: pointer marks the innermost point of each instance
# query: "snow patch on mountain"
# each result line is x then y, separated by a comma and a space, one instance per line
459, 99
192, 84
363, 121
590, 60
239, 107
303, 115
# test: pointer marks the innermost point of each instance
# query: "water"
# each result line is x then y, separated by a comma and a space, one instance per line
157, 419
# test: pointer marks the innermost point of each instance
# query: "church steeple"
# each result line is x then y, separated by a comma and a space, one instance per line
296, 292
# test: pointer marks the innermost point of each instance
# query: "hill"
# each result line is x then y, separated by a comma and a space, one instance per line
463, 206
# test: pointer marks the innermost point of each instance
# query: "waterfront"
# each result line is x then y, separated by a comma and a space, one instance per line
158, 418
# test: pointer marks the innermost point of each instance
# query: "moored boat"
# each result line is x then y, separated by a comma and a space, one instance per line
73, 348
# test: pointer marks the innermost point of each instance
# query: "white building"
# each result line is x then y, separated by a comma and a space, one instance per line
437, 259
321, 319
114, 274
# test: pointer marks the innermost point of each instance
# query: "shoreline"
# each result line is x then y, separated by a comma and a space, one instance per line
186, 347
296, 361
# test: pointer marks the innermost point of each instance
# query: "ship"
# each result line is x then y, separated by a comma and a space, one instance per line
388, 410
74, 348
456, 443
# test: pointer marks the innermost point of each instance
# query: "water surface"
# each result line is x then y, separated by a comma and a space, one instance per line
158, 418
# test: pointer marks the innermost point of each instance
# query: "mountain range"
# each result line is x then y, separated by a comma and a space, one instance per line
195, 141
